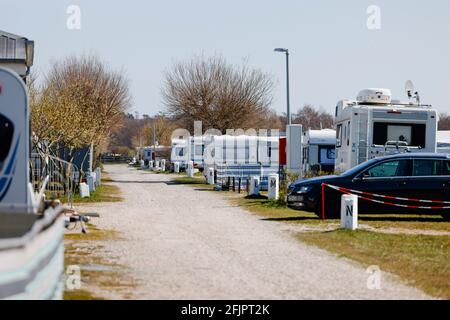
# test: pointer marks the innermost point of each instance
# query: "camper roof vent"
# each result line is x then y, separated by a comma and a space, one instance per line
374, 96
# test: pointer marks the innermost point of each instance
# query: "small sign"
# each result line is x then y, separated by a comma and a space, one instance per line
349, 211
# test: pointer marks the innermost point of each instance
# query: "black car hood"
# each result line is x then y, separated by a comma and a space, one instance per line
317, 180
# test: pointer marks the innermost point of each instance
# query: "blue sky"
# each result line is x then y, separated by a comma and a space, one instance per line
333, 53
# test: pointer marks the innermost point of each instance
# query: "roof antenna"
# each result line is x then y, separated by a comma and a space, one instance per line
411, 91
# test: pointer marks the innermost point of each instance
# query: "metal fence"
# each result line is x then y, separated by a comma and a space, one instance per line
64, 177
240, 174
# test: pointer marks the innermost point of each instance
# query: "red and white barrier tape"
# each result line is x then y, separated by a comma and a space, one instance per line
358, 193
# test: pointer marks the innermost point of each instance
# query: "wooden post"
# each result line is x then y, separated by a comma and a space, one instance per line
239, 191
323, 201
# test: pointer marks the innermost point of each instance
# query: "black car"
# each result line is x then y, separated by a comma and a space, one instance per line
421, 176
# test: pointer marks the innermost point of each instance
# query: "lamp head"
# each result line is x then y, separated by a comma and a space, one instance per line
281, 50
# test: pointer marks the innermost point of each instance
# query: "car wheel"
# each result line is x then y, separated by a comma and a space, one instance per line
329, 213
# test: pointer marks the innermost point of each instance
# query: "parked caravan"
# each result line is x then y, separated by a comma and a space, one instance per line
319, 147
374, 125
179, 152
155, 153
443, 141
31, 229
192, 149
243, 156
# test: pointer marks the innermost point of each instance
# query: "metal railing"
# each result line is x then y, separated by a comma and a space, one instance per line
64, 177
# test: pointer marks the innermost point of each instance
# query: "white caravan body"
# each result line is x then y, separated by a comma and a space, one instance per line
374, 126
15, 194
319, 147
180, 151
242, 149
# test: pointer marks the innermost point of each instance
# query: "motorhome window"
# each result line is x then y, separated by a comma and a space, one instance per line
344, 133
199, 150
339, 135
348, 133
6, 135
398, 168
413, 134
427, 168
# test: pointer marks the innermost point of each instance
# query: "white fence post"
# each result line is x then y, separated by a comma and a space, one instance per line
84, 190
274, 187
349, 211
176, 167
211, 176
254, 186
190, 169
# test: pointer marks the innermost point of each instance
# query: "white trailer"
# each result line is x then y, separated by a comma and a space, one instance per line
31, 238
319, 148
374, 125
190, 149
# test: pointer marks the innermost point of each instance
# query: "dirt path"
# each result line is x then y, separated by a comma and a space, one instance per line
186, 243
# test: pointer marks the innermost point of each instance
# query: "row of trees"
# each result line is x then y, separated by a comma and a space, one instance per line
222, 96
80, 102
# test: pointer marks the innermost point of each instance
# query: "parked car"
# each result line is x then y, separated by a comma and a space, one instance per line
424, 176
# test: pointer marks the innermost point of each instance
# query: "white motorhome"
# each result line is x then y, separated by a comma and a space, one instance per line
374, 125
319, 147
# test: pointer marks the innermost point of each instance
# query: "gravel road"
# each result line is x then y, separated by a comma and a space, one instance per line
182, 242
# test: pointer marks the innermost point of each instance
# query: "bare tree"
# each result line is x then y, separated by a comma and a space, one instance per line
154, 130
221, 95
81, 102
444, 122
311, 118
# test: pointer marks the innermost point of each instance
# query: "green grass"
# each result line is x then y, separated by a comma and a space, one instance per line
103, 193
421, 261
195, 181
271, 210
84, 249
276, 210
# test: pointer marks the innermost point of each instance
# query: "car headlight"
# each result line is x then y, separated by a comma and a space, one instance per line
304, 189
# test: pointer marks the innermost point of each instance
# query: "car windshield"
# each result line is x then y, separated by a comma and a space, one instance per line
358, 168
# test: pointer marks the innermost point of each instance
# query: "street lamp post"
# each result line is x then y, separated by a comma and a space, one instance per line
286, 51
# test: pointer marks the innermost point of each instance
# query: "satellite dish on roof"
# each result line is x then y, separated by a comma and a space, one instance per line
410, 90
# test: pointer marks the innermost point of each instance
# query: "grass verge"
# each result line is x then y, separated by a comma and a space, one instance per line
421, 261
103, 193
98, 270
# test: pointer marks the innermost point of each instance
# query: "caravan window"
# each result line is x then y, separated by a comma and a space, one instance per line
413, 134
6, 135
339, 135
348, 134
180, 152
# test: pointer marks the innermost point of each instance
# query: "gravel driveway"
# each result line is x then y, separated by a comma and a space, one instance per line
184, 243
